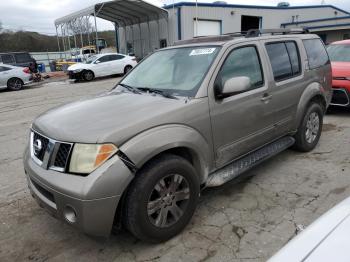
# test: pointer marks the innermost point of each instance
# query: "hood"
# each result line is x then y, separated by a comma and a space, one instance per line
112, 117
79, 66
341, 69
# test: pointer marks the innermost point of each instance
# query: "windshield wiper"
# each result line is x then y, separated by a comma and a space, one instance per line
131, 88
157, 91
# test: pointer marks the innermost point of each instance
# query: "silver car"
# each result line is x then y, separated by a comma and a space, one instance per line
14, 77
195, 115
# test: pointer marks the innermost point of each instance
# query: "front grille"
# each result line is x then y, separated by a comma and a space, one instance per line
49, 153
340, 97
62, 155
39, 154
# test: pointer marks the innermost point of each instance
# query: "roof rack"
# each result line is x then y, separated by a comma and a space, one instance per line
282, 31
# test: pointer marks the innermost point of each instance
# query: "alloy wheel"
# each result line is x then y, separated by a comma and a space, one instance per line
312, 127
168, 200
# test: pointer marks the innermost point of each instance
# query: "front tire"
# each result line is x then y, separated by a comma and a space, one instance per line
162, 199
310, 129
88, 75
15, 84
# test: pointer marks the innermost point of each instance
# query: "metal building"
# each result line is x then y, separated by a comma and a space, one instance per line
142, 27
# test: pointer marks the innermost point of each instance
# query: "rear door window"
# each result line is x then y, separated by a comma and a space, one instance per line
7, 59
316, 53
279, 58
116, 57
285, 59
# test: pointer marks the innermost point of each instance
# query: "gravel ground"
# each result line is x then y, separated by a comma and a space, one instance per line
245, 221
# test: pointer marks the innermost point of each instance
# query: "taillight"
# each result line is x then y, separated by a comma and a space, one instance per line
26, 70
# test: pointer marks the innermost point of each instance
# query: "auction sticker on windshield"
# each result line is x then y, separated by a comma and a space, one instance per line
202, 51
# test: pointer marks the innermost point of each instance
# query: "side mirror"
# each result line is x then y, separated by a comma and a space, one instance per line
97, 61
235, 85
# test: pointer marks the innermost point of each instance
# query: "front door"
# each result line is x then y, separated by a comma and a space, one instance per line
245, 121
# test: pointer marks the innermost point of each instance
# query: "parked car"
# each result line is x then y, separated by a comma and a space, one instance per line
82, 54
339, 53
194, 115
326, 239
14, 77
16, 58
102, 65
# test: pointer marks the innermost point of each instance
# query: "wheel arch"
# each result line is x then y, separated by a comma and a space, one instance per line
179, 140
313, 93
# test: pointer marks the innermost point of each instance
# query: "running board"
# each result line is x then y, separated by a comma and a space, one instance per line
239, 166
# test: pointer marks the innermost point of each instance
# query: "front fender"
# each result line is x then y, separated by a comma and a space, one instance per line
311, 91
152, 142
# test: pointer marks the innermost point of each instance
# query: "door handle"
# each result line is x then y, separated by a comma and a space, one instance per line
266, 97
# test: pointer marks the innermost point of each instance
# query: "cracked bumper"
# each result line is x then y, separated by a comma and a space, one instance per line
94, 198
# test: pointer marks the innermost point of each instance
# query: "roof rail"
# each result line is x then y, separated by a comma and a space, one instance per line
279, 31
203, 39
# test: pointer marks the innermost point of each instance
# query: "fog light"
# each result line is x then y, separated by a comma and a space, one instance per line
69, 214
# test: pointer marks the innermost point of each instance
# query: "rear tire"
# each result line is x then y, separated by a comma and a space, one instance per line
310, 129
127, 69
162, 199
88, 75
15, 84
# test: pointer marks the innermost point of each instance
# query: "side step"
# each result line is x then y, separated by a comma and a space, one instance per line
239, 166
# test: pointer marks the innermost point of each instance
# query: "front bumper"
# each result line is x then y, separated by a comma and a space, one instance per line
73, 75
93, 199
341, 97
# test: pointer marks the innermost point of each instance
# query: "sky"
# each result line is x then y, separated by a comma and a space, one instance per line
39, 15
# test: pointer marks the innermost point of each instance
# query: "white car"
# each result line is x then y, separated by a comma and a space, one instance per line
102, 65
14, 77
325, 240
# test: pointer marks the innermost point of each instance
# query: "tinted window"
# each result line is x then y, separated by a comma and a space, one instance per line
280, 62
23, 58
242, 62
116, 57
104, 59
88, 51
294, 57
316, 53
7, 59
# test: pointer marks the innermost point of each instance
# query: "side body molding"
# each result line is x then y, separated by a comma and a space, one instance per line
312, 90
152, 142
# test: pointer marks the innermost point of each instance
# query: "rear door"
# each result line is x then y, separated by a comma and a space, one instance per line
287, 81
242, 122
117, 63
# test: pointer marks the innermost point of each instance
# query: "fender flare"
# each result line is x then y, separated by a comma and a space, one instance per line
148, 144
312, 91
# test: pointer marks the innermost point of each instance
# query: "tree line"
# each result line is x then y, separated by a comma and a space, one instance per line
15, 41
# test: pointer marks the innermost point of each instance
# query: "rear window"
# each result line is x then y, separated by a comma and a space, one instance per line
7, 59
23, 58
316, 53
284, 58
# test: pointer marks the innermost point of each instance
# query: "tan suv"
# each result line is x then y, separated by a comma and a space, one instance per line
191, 116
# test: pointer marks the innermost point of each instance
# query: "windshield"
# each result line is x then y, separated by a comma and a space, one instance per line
91, 59
178, 71
339, 53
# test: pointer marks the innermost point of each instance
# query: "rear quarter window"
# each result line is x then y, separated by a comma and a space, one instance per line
316, 53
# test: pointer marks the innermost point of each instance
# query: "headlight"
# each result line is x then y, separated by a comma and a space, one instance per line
87, 157
77, 70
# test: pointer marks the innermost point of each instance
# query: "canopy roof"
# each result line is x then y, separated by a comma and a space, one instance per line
122, 12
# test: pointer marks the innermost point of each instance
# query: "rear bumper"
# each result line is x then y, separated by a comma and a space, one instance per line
86, 203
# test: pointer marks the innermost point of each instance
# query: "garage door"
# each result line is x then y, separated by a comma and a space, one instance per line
206, 27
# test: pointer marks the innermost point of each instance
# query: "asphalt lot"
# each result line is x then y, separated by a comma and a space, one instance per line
245, 221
